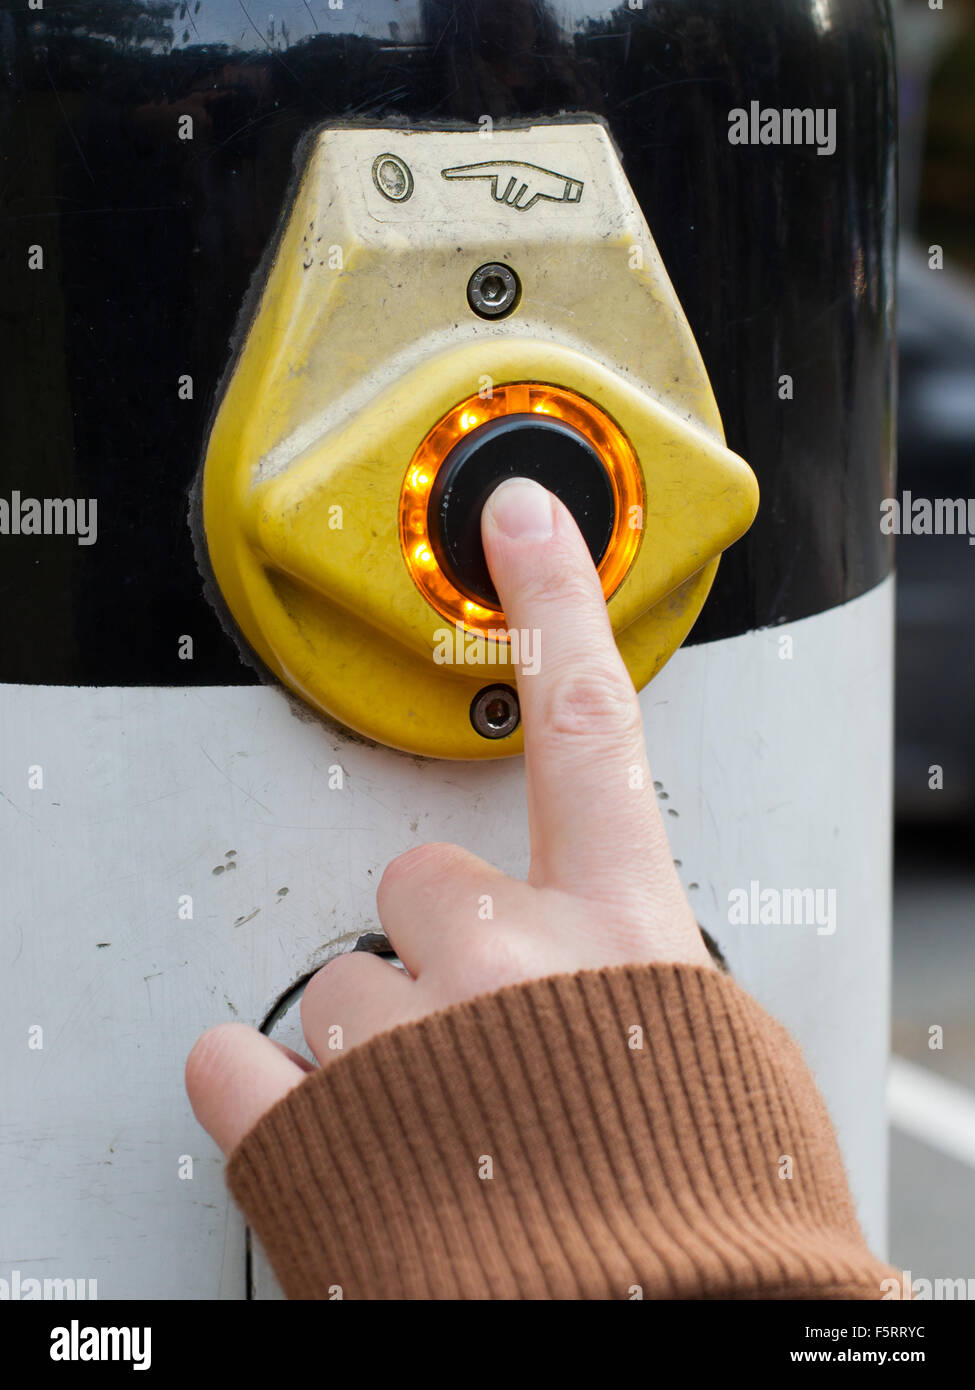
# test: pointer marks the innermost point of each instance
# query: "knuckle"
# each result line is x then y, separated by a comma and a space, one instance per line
490, 960
333, 978
412, 863
593, 703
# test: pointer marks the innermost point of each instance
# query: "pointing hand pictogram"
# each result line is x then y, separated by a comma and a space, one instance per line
520, 185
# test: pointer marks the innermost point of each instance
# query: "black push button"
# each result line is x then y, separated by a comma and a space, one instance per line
547, 450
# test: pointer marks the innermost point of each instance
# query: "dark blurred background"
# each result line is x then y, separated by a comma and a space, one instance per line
932, 1088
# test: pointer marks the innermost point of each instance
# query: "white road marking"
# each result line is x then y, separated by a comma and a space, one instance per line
940, 1113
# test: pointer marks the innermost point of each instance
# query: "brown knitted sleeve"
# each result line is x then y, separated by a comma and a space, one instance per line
640, 1129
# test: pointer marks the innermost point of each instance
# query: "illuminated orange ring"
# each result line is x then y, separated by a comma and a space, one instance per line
518, 397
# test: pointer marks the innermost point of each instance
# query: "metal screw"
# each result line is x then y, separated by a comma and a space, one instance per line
495, 712
393, 178
493, 290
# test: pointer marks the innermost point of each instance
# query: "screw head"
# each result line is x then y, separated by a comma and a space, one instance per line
393, 177
493, 290
495, 712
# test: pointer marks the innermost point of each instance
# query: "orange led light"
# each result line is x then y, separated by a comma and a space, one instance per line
516, 398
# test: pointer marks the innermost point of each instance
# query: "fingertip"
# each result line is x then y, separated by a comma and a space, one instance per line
519, 509
233, 1075
207, 1054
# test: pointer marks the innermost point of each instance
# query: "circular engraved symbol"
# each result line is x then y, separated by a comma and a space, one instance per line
392, 177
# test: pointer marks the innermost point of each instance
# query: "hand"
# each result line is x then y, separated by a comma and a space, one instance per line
519, 190
601, 891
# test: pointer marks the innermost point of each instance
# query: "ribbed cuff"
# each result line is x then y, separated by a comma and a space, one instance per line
645, 1127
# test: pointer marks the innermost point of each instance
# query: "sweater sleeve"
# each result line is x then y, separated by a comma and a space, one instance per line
644, 1130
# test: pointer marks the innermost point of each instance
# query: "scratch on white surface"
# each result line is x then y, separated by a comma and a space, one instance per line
19, 809
243, 790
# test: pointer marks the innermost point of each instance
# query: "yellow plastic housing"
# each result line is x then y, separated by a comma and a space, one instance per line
342, 377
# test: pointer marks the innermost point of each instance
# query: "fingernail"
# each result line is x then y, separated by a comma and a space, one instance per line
521, 510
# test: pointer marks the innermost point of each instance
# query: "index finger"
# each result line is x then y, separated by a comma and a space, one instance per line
595, 825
